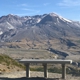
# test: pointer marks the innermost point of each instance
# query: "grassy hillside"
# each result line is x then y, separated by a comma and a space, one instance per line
19, 53
7, 64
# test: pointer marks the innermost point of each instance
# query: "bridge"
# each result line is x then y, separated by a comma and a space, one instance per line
27, 62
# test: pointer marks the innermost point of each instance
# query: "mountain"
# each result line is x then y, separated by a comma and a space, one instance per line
38, 27
47, 31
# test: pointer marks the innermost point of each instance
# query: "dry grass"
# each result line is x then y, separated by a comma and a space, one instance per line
25, 53
7, 64
53, 76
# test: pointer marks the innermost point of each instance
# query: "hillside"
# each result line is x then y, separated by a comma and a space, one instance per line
7, 64
49, 32
10, 68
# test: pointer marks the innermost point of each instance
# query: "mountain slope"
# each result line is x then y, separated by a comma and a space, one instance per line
47, 31
37, 27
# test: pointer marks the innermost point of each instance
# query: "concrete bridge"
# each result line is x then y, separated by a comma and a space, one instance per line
27, 62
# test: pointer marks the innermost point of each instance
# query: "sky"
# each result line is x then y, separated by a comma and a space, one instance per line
69, 9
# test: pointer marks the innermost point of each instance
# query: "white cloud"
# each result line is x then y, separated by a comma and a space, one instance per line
26, 9
27, 5
46, 4
69, 3
31, 10
24, 14
24, 5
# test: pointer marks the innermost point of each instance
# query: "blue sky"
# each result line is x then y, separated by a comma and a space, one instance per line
69, 9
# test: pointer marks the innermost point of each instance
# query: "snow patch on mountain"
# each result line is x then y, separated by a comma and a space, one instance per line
53, 14
57, 20
38, 20
10, 26
1, 32
64, 19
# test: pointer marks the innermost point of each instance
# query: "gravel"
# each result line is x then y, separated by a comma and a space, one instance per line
34, 74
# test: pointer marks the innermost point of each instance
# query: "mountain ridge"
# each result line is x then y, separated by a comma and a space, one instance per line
47, 31
37, 28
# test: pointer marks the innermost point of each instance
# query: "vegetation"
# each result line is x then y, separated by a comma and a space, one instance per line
6, 60
73, 71
78, 41
53, 70
9, 61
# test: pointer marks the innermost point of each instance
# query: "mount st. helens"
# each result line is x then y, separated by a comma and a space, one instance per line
47, 31
38, 27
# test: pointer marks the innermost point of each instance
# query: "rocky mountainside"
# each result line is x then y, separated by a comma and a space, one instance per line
38, 27
48, 31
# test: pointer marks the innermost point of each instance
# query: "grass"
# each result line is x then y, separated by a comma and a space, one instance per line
78, 41
25, 53
4, 58
9, 61
53, 70
73, 71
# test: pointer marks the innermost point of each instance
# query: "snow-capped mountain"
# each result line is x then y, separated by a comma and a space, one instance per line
38, 27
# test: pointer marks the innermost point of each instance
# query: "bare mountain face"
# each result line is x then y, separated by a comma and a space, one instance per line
47, 26
48, 31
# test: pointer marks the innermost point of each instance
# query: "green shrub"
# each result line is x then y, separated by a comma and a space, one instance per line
36, 69
55, 70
